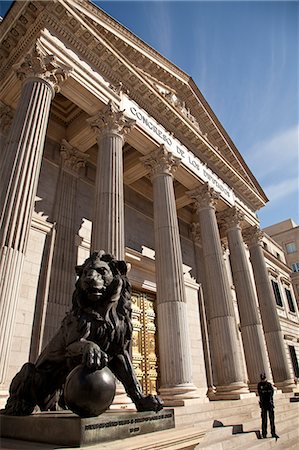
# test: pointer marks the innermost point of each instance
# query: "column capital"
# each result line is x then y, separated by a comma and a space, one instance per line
253, 236
195, 232
38, 65
72, 159
161, 161
224, 246
204, 196
111, 120
6, 117
230, 218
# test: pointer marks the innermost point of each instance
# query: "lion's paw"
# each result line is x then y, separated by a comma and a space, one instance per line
93, 357
149, 403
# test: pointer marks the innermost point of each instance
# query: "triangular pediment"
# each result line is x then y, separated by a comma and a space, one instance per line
166, 92
172, 83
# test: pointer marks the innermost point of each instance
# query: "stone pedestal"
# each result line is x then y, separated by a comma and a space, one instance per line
67, 429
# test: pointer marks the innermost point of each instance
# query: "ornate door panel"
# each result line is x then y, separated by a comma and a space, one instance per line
144, 341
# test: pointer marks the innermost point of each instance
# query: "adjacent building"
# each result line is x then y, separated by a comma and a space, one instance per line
105, 144
286, 234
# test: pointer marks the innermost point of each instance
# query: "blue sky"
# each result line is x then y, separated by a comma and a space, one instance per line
244, 57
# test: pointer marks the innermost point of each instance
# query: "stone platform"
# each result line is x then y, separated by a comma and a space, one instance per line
68, 429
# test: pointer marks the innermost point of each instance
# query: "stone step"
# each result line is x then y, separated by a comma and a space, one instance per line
247, 435
173, 439
288, 439
240, 410
250, 438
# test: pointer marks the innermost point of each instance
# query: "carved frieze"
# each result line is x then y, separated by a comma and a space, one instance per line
180, 105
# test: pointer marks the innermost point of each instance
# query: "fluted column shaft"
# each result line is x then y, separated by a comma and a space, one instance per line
251, 327
108, 218
174, 343
19, 178
271, 325
63, 274
221, 317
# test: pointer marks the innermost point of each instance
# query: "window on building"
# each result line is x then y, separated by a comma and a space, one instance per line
277, 293
290, 299
291, 247
265, 245
277, 255
295, 267
294, 360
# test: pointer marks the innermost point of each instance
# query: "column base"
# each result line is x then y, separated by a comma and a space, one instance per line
177, 394
233, 391
211, 392
4, 394
286, 385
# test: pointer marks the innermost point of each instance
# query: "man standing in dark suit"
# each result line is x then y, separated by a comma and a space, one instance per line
265, 391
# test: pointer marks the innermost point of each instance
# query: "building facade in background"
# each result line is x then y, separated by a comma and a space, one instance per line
286, 234
105, 144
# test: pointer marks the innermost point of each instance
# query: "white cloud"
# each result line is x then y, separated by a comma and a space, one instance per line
281, 190
161, 27
277, 153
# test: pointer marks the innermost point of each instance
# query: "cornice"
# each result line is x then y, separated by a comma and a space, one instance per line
112, 24
16, 40
282, 266
228, 143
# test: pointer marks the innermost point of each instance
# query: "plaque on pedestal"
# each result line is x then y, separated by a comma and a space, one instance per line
67, 429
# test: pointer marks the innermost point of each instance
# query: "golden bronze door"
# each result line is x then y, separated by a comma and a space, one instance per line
144, 341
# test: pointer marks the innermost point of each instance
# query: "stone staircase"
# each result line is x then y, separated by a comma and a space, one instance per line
221, 425
218, 425
239, 427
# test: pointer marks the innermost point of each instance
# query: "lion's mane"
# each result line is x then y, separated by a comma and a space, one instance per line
116, 301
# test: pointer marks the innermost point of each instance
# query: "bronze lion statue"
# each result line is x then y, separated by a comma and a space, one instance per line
96, 333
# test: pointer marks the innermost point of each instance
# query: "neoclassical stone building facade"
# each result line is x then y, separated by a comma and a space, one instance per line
107, 145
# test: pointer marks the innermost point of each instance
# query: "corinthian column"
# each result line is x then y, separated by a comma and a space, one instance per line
110, 125
251, 327
6, 117
19, 177
220, 310
63, 275
174, 343
272, 329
